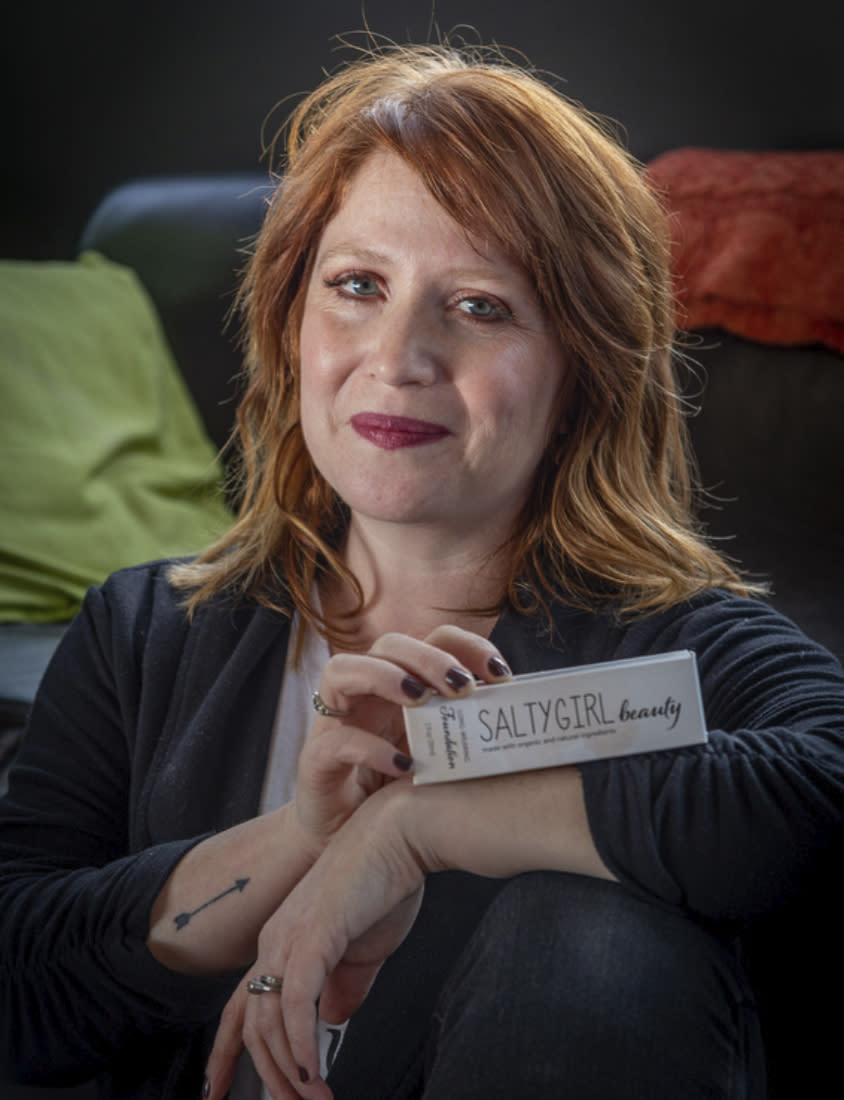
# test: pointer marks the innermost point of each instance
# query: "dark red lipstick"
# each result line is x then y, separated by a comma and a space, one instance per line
393, 432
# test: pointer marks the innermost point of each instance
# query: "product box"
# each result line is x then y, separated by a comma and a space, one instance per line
568, 716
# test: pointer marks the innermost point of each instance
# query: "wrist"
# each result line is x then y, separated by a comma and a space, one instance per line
308, 842
401, 812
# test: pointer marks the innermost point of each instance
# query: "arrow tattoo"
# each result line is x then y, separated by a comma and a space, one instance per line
184, 918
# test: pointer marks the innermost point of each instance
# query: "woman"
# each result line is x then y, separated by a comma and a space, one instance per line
463, 456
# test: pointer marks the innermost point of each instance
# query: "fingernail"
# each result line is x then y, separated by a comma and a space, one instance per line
206, 1088
457, 679
413, 688
304, 1076
497, 667
404, 763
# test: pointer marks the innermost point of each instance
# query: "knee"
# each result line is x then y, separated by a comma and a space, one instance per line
575, 935
558, 947
578, 979
594, 935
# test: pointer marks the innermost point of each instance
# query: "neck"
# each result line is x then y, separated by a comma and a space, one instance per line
415, 580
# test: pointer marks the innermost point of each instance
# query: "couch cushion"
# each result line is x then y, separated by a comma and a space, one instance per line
103, 458
758, 241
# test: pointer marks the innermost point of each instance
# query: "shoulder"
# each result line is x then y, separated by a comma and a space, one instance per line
724, 630
755, 665
746, 651
131, 602
139, 586
718, 622
720, 627
138, 609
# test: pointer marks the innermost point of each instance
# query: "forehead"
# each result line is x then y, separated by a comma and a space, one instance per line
385, 188
387, 203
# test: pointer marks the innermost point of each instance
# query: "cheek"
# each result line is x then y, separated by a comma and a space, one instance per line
308, 348
311, 397
324, 351
545, 392
517, 401
526, 410
307, 395
322, 376
315, 368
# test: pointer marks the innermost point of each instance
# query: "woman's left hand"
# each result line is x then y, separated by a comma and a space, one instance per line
356, 904
329, 939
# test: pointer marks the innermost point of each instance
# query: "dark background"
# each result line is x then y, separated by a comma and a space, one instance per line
98, 92
94, 93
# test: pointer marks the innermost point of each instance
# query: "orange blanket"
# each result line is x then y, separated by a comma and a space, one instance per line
758, 242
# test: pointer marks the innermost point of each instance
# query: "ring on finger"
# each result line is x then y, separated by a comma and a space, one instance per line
321, 707
265, 984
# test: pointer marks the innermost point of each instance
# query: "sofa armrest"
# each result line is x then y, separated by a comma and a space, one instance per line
186, 238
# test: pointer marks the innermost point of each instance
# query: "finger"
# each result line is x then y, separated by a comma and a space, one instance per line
346, 989
270, 1053
450, 659
228, 1045
435, 666
336, 750
405, 670
276, 1083
303, 983
473, 651
348, 677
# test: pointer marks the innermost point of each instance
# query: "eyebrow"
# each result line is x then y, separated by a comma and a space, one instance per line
369, 255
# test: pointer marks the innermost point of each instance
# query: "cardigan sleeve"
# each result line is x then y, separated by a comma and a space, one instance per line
734, 829
77, 983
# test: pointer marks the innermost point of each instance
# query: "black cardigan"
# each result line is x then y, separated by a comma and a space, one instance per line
151, 731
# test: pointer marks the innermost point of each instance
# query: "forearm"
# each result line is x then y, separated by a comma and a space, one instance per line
503, 825
207, 917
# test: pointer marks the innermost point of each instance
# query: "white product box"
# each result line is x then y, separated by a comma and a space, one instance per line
568, 716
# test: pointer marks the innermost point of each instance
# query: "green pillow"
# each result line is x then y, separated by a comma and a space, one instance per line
103, 458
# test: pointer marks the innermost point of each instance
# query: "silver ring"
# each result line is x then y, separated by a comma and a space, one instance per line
265, 984
329, 712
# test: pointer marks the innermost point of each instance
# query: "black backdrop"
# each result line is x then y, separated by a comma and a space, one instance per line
99, 91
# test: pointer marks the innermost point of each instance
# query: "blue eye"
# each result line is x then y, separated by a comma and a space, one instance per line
358, 286
362, 284
483, 308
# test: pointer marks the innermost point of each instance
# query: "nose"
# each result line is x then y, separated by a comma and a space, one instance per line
406, 348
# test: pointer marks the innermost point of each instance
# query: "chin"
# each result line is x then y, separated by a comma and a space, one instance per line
398, 512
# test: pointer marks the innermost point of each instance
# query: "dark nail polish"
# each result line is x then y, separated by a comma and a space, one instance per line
457, 679
497, 667
405, 763
206, 1088
413, 688
304, 1076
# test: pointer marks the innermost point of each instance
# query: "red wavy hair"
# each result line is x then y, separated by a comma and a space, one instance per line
610, 514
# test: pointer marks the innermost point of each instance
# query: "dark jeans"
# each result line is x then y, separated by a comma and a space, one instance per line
573, 988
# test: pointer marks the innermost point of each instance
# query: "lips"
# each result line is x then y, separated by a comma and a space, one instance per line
390, 433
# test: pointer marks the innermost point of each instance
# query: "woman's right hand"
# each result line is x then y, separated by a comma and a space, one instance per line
345, 759
198, 925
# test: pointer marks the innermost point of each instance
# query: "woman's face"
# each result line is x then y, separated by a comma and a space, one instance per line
428, 369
